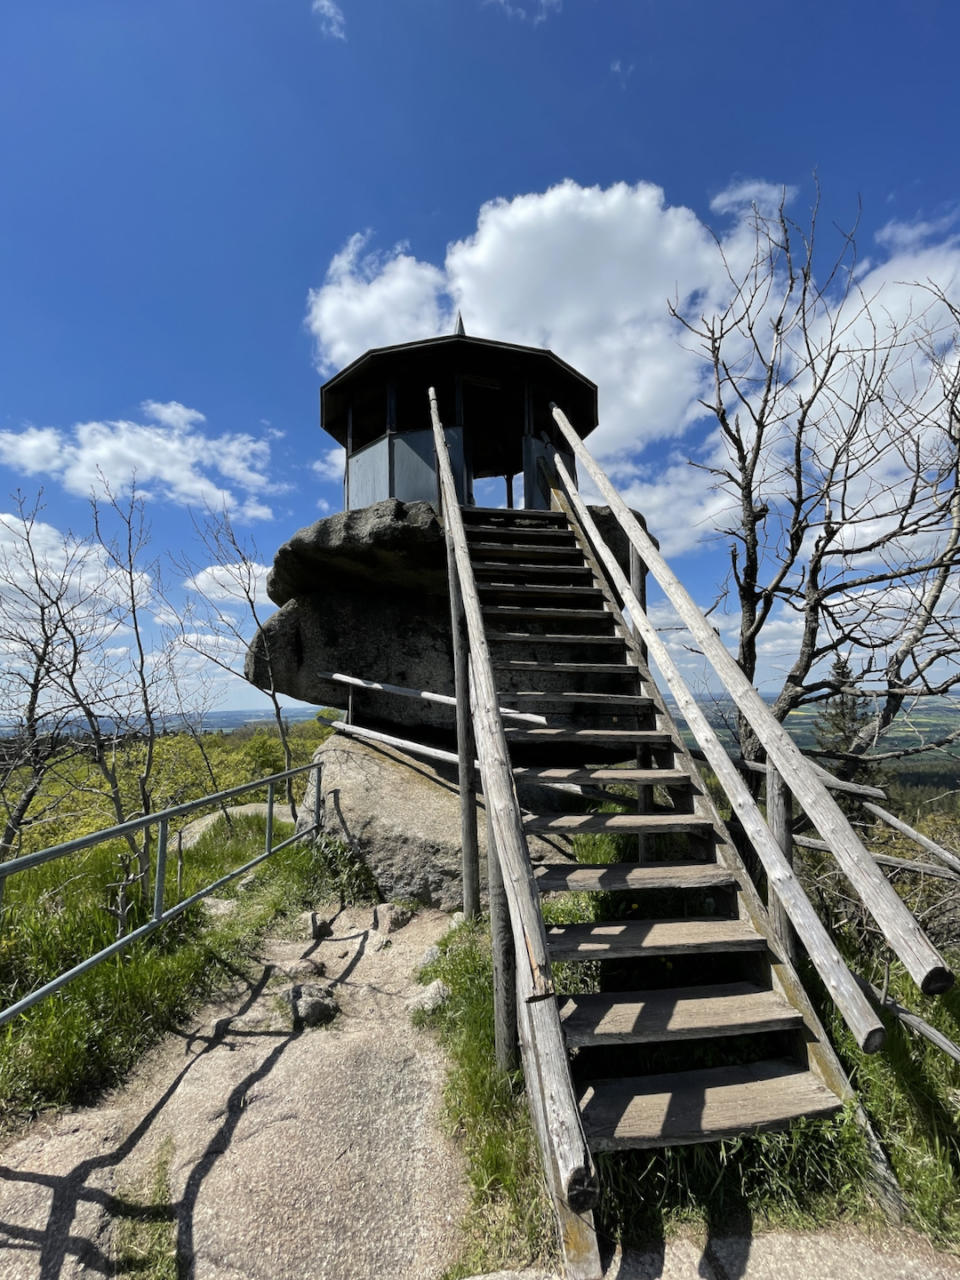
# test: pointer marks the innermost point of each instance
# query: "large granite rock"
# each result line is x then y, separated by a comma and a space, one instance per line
401, 818
363, 593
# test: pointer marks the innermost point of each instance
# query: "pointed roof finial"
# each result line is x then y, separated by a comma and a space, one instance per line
460, 331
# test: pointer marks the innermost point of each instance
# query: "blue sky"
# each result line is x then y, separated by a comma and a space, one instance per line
210, 205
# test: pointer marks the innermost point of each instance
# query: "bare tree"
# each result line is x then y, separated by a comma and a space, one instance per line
839, 449
226, 612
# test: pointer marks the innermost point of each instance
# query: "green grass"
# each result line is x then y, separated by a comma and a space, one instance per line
144, 1243
72, 1045
510, 1215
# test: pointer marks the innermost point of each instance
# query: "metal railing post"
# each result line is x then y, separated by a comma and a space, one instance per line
317, 799
269, 841
160, 878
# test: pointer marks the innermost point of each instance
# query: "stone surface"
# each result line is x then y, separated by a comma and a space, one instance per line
390, 916
312, 1005
292, 1155
401, 817
365, 593
431, 997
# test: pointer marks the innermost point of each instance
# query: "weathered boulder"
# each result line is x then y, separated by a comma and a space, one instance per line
363, 593
401, 818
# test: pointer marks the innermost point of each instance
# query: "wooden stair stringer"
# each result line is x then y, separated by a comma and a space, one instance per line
822, 1061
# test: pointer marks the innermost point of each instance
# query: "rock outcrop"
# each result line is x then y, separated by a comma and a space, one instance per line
401, 817
364, 593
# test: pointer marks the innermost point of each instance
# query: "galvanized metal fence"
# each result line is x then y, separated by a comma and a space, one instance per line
161, 820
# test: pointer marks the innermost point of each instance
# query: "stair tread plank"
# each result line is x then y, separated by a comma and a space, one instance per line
623, 938
531, 637
589, 877
484, 567
538, 589
482, 532
598, 775
579, 695
649, 823
533, 612
698, 1106
681, 1013
571, 668
538, 551
651, 737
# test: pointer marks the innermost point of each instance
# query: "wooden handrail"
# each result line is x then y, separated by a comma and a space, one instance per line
856, 1010
567, 1152
921, 959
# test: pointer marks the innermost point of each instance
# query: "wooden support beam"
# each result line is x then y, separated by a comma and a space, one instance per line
897, 923
778, 820
849, 999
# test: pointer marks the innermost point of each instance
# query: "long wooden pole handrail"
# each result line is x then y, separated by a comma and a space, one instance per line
423, 695
533, 963
856, 1010
921, 959
568, 1151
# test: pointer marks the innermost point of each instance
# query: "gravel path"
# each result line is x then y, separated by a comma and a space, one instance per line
310, 1154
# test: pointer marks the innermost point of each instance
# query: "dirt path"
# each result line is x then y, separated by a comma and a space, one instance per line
291, 1154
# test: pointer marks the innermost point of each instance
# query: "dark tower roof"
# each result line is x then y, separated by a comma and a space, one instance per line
499, 371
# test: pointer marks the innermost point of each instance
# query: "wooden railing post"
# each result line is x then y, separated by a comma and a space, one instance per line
504, 959
466, 749
778, 820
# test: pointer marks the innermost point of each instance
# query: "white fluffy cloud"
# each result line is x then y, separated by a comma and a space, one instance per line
170, 456
588, 272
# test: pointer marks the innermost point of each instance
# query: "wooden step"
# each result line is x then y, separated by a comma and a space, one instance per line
536, 612
532, 515
518, 533
528, 637
620, 939
683, 1013
598, 775
590, 737
700, 1106
608, 701
572, 668
539, 589
484, 568
613, 877
537, 551
650, 824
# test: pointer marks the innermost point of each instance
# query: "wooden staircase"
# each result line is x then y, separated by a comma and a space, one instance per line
683, 1024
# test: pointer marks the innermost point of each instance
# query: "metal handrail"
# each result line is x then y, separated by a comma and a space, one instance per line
899, 927
160, 917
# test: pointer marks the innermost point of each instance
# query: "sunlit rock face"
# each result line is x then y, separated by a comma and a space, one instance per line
364, 593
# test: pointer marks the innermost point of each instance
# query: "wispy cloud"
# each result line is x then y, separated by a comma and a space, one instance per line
621, 71
903, 236
535, 13
169, 457
332, 21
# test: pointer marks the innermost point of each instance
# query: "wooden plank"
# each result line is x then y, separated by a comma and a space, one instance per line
700, 1106
562, 696
898, 925
544, 552
683, 1013
594, 737
533, 961
466, 748
530, 590
597, 775
536, 613
856, 1010
778, 820
626, 938
611, 877
485, 568
488, 532
931, 846
571, 668
530, 637
648, 823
